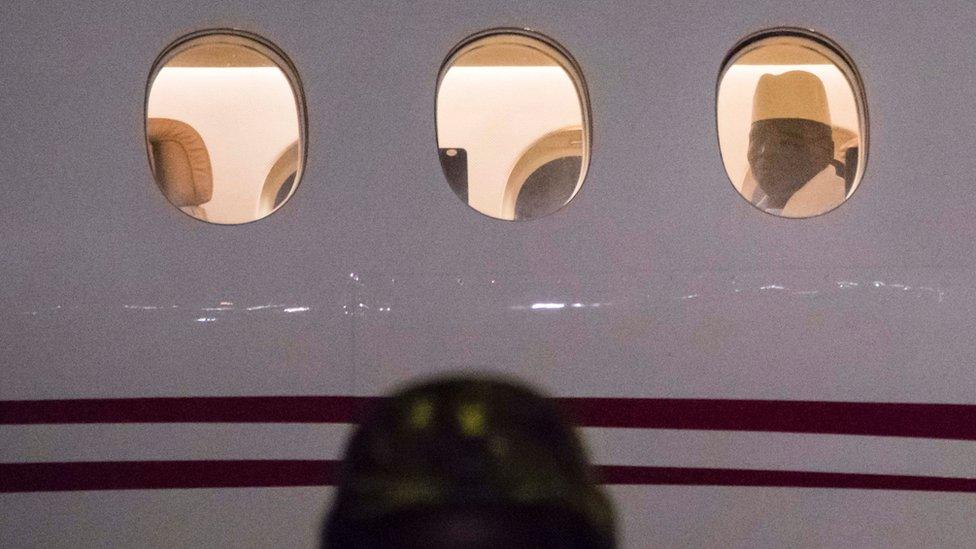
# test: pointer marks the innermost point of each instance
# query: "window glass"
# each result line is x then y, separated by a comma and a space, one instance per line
792, 123
513, 126
225, 127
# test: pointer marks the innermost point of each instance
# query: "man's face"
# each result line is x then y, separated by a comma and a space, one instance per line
786, 153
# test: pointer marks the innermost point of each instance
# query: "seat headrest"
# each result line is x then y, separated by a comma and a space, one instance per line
180, 162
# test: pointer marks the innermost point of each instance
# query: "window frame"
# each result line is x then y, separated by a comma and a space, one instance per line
572, 68
847, 67
264, 47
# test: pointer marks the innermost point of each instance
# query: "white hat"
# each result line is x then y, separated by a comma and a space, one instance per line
794, 94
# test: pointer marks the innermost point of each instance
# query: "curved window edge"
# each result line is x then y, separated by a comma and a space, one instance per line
270, 50
572, 68
848, 68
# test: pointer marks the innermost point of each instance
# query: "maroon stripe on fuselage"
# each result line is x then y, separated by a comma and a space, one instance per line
155, 475
938, 421
236, 409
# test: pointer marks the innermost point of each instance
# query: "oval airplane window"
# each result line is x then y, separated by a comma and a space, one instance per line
513, 124
792, 123
225, 126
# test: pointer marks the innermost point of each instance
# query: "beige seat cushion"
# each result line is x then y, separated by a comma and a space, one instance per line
180, 162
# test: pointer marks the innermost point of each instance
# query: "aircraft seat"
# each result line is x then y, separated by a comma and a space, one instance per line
180, 163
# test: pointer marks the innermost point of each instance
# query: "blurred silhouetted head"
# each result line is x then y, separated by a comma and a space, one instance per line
791, 139
467, 463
